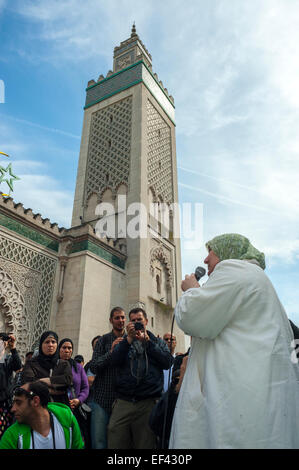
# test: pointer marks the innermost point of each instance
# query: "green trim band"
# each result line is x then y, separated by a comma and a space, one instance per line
159, 103
172, 104
125, 88
114, 93
29, 233
127, 68
87, 245
114, 75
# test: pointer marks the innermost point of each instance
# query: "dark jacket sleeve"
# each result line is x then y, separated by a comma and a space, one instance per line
120, 353
159, 351
28, 373
101, 358
61, 378
62, 375
14, 362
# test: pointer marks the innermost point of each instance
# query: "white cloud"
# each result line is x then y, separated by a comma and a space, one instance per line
81, 31
43, 195
38, 126
232, 68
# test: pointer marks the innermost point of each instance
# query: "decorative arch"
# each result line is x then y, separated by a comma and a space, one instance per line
90, 206
121, 188
160, 255
90, 196
107, 195
13, 311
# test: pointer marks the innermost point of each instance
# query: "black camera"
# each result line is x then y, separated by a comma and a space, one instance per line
4, 337
138, 325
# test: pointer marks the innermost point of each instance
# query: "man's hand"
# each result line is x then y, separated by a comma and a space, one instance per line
131, 332
182, 373
11, 343
189, 282
74, 403
46, 380
115, 342
142, 335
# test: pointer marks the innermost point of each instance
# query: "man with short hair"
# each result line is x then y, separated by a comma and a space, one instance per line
40, 424
170, 340
105, 373
140, 359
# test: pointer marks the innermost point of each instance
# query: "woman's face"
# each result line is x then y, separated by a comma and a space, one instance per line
211, 260
49, 346
66, 351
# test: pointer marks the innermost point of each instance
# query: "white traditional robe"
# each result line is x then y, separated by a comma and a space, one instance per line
241, 386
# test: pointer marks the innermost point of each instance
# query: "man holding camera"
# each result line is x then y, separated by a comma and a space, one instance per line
103, 385
140, 359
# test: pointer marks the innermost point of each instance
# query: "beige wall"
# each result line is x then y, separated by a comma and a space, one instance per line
92, 288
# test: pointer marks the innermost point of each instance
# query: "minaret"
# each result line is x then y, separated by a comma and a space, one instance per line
128, 149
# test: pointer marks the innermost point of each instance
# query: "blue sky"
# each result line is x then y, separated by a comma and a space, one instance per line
232, 67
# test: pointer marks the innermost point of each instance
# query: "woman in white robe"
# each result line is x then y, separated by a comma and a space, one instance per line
241, 386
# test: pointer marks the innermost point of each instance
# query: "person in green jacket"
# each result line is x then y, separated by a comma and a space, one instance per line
41, 424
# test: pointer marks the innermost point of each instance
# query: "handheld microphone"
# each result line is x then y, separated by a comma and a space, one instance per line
199, 272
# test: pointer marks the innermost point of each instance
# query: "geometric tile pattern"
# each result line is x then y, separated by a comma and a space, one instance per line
109, 149
46, 266
159, 161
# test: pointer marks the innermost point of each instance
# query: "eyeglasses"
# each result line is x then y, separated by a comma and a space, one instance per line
170, 340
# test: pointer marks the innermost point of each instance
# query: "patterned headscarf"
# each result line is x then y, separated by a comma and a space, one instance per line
235, 246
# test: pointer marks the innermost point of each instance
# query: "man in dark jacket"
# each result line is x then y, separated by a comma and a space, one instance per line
9, 363
140, 359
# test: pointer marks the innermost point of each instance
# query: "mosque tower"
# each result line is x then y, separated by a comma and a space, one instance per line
127, 156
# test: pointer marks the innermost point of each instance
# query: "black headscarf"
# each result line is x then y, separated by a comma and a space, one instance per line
71, 361
47, 361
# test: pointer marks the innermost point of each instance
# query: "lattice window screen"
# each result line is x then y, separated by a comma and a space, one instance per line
159, 154
108, 162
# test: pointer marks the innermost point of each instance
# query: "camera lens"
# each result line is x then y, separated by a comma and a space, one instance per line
138, 325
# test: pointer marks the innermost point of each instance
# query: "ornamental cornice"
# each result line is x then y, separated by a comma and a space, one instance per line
19, 212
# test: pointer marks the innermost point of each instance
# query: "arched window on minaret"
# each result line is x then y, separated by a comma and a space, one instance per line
158, 283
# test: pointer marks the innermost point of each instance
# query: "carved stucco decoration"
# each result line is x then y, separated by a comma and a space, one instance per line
137, 304
34, 273
159, 254
27, 280
13, 311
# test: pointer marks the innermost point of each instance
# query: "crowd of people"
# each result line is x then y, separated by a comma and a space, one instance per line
60, 403
235, 387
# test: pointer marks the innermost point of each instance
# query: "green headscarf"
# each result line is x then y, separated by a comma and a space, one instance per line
235, 246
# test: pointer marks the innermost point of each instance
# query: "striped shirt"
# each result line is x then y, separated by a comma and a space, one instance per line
103, 386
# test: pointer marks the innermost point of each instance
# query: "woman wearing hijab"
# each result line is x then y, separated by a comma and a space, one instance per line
80, 389
49, 368
240, 389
